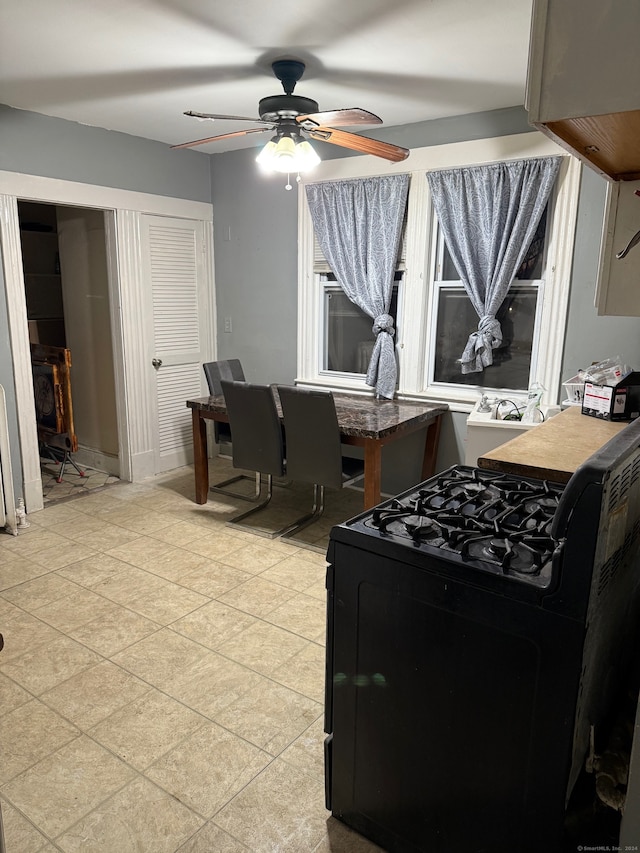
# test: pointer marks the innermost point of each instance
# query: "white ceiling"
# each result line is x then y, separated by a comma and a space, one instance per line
136, 65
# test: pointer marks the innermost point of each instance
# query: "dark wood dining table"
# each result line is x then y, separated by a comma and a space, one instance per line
364, 422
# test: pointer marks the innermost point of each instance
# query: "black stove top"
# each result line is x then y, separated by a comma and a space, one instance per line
494, 521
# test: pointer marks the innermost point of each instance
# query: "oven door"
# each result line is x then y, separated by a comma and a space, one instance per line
451, 710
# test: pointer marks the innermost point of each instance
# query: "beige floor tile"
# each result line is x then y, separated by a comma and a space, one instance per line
15, 569
340, 839
161, 659
63, 787
28, 734
94, 571
76, 526
94, 694
20, 835
138, 520
209, 578
208, 768
213, 624
263, 647
57, 556
11, 695
299, 614
40, 591
50, 664
73, 610
115, 630
211, 838
23, 631
217, 546
56, 514
141, 551
212, 683
269, 715
32, 540
304, 672
141, 818
282, 809
257, 596
129, 584
296, 572
109, 536
147, 728
180, 533
174, 563
168, 604
255, 557
307, 750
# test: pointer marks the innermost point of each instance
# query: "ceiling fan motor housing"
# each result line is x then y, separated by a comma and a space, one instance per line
285, 106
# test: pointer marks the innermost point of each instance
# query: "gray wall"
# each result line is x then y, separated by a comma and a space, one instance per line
54, 148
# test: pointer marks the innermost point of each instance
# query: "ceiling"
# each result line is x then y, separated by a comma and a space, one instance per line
135, 65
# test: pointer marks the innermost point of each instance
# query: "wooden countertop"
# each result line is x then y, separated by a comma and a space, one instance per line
553, 450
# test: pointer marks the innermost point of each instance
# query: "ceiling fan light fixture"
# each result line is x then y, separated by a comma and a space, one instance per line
284, 155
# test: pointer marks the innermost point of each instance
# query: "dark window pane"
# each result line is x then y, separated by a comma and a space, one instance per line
349, 338
511, 362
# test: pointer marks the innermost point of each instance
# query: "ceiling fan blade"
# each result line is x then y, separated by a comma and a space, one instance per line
221, 136
341, 118
214, 116
360, 143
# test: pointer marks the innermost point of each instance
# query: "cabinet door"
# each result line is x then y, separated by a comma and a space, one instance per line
618, 289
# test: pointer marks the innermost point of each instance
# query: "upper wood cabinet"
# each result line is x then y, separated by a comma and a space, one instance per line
583, 84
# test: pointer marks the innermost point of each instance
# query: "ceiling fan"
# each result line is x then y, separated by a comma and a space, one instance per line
294, 118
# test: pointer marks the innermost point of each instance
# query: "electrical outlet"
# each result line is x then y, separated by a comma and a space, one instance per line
227, 324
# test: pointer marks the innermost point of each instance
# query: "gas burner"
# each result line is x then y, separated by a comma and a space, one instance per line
509, 554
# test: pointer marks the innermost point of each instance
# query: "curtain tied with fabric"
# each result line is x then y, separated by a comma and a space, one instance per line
358, 225
489, 215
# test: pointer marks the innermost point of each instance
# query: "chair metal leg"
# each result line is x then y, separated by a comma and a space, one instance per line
219, 489
310, 518
235, 521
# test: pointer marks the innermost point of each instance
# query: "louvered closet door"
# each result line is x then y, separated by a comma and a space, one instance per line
174, 255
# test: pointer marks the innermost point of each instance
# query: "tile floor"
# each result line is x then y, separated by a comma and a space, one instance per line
162, 677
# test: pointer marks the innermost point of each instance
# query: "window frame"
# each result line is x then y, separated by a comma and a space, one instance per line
416, 307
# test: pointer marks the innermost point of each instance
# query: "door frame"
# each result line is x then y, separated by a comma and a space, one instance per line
123, 209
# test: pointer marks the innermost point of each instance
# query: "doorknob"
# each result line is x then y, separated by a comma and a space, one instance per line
156, 362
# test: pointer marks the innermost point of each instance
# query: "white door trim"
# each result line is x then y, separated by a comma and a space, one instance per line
21, 354
134, 428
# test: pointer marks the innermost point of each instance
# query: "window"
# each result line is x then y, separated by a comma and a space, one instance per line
514, 363
432, 311
348, 338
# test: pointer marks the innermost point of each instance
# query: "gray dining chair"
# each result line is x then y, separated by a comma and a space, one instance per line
314, 448
215, 371
258, 443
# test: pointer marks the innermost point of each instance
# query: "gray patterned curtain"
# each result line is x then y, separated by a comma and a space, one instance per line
358, 225
488, 216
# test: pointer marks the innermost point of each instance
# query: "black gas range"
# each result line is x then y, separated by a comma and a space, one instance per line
478, 629
491, 522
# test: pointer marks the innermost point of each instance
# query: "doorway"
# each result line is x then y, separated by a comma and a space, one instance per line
67, 298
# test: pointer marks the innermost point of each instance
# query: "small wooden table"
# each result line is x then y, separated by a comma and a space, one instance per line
363, 421
553, 450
